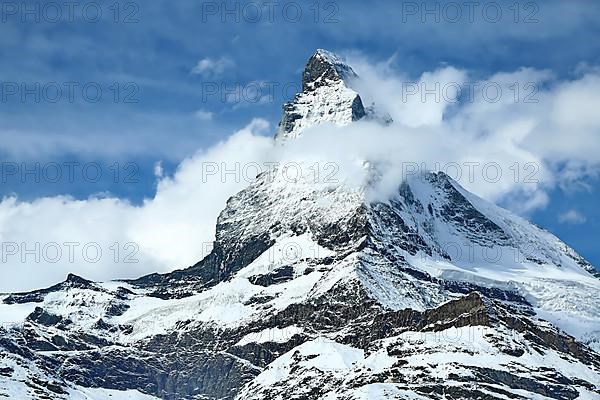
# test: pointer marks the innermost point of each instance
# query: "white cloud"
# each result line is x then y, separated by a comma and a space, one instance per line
171, 230
541, 131
572, 217
158, 169
411, 102
211, 67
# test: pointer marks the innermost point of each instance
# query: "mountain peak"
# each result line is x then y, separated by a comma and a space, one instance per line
324, 67
326, 97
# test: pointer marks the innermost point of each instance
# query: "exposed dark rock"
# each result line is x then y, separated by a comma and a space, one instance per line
322, 68
37, 296
44, 318
279, 276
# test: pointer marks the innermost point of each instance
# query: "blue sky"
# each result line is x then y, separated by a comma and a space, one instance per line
152, 53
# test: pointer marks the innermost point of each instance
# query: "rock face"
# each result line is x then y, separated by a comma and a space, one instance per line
326, 96
323, 68
314, 292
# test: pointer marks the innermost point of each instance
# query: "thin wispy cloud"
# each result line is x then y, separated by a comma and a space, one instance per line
212, 67
572, 217
204, 115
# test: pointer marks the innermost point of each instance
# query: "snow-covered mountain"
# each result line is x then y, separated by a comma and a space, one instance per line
313, 291
327, 96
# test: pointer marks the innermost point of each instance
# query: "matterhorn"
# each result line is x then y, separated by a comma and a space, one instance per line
316, 291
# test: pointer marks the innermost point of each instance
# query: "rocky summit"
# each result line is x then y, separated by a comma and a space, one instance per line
316, 292
327, 97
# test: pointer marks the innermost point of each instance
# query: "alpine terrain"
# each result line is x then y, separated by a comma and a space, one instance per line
312, 291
